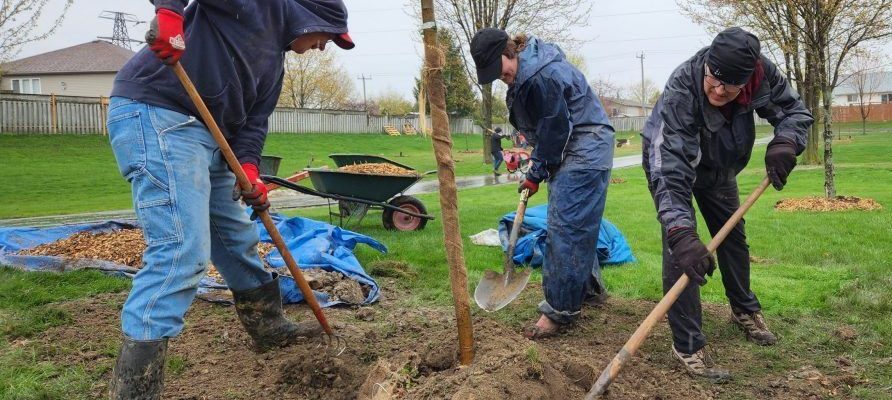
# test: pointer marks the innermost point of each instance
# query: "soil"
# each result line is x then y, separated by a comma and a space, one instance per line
377, 169
402, 350
840, 203
617, 180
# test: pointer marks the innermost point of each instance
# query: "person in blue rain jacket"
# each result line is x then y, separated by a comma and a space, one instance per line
552, 103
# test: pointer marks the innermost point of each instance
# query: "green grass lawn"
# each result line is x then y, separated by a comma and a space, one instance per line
821, 270
68, 174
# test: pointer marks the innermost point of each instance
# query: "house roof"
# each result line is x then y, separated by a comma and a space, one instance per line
624, 102
884, 78
95, 56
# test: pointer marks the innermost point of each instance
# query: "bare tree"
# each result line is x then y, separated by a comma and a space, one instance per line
604, 87
551, 20
865, 78
816, 38
18, 25
315, 81
651, 92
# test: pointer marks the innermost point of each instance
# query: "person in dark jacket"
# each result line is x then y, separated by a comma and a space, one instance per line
551, 101
495, 144
182, 188
698, 138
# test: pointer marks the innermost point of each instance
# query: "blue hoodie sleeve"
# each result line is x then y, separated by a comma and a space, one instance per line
547, 105
248, 143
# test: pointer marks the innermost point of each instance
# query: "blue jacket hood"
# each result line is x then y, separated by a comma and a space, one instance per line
534, 57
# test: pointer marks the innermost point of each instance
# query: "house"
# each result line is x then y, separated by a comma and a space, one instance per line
86, 69
616, 107
877, 88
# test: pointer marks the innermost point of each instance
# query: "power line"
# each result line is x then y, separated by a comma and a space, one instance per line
120, 36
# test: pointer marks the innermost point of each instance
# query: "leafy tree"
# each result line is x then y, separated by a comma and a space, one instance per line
315, 80
392, 103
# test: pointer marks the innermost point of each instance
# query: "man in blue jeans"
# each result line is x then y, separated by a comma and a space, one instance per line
182, 187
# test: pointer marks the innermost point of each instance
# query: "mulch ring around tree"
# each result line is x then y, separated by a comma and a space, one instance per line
617, 180
840, 203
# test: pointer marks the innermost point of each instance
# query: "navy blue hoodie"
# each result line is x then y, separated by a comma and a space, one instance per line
235, 54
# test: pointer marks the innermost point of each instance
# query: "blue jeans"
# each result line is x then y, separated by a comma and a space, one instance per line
497, 159
577, 192
182, 194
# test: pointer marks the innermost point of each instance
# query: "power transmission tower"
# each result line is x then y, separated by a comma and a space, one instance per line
119, 36
365, 103
643, 92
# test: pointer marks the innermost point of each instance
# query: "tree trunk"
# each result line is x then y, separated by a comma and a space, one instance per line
863, 126
487, 122
810, 157
829, 172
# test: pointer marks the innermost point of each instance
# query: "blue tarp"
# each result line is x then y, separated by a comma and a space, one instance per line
612, 246
315, 245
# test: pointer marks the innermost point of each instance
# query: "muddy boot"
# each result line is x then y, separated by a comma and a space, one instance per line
701, 364
496, 174
139, 371
260, 311
754, 326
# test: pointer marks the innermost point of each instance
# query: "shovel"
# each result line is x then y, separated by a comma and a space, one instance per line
496, 290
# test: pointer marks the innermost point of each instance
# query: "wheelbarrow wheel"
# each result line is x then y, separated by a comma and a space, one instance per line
394, 220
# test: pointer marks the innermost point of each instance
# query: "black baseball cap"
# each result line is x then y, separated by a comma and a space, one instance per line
486, 50
331, 18
733, 55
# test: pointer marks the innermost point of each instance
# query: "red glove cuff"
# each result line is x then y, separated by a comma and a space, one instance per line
252, 172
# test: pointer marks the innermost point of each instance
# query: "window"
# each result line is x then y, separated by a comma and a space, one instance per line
26, 85
852, 98
886, 98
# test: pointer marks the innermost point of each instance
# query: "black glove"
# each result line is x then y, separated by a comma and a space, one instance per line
780, 160
690, 255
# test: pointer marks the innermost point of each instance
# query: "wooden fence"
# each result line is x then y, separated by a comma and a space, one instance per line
27, 113
876, 113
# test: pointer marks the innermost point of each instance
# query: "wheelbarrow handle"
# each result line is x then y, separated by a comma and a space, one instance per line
246, 185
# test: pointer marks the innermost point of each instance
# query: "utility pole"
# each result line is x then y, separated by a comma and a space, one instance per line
365, 103
120, 36
643, 93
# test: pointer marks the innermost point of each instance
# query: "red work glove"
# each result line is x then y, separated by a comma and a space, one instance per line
528, 184
256, 197
165, 36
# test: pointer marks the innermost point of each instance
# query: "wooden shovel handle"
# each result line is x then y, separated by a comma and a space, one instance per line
246, 185
625, 354
515, 230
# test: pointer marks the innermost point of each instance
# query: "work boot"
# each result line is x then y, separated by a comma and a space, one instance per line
260, 311
496, 174
753, 324
139, 371
702, 365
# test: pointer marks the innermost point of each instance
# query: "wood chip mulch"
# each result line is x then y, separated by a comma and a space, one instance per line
123, 247
840, 203
378, 169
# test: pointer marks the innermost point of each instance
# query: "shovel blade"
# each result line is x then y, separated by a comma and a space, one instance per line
496, 290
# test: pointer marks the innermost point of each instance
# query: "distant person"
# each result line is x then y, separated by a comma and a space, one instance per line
551, 101
698, 138
182, 187
495, 144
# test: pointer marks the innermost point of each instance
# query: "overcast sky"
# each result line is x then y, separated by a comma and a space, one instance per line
388, 50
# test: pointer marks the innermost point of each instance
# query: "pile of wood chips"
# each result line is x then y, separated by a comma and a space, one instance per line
840, 203
378, 169
123, 247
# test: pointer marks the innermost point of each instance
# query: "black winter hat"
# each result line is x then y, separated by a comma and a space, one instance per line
486, 50
733, 55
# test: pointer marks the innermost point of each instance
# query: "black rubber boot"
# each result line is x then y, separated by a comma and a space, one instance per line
139, 371
260, 311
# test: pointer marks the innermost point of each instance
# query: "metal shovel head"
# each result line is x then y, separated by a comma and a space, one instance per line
496, 290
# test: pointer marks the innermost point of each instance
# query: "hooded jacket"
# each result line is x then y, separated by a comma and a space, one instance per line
235, 54
686, 134
550, 101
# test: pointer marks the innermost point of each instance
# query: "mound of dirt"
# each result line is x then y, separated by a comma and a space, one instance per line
377, 169
617, 180
840, 203
409, 351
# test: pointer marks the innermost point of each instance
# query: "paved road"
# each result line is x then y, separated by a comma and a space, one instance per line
288, 199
